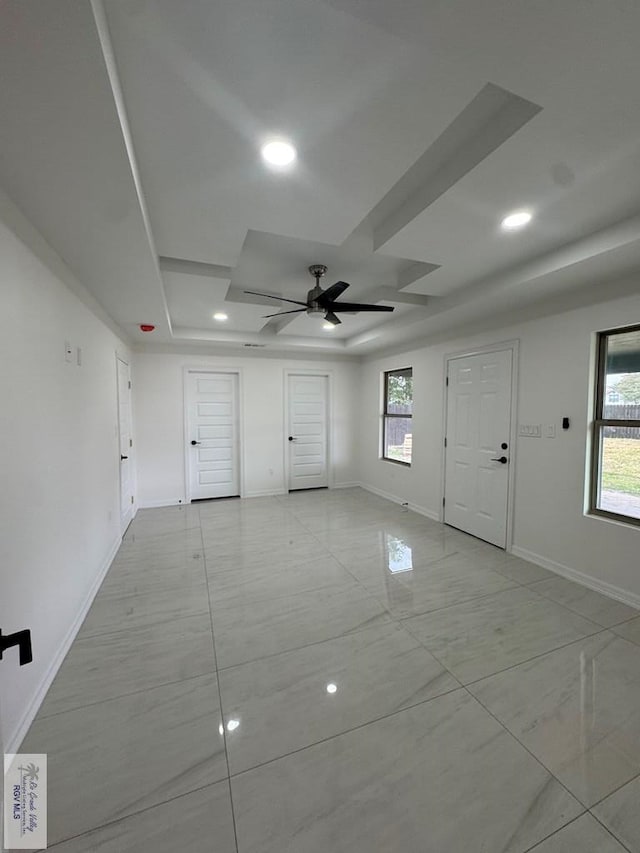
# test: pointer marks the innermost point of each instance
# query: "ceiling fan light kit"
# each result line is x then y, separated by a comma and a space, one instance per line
322, 303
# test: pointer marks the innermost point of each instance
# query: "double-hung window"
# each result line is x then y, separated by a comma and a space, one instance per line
397, 413
615, 475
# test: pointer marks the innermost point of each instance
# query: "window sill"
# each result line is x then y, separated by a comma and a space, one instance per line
620, 520
395, 461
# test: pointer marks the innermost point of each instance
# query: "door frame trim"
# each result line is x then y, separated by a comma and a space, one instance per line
514, 346
132, 469
328, 374
207, 368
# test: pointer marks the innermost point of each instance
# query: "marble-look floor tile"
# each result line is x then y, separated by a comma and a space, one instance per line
276, 625
298, 698
163, 542
388, 555
489, 634
620, 812
584, 835
243, 585
144, 575
599, 608
113, 759
521, 571
441, 776
451, 580
629, 630
108, 665
578, 710
286, 552
201, 822
154, 522
114, 611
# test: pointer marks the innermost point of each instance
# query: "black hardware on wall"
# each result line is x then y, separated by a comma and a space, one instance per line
565, 423
22, 639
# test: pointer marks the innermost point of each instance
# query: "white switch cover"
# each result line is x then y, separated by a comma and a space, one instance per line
530, 430
550, 431
68, 351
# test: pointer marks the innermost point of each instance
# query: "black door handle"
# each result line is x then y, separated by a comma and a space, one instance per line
502, 459
22, 639
194, 442
292, 438
123, 457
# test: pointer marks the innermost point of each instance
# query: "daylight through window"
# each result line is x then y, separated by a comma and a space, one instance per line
396, 415
615, 487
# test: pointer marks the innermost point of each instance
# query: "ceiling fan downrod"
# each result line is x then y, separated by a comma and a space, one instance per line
313, 307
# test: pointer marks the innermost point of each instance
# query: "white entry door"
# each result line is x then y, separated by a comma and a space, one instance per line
212, 435
477, 450
126, 444
307, 437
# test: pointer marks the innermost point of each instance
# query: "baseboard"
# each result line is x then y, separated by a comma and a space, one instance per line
421, 510
597, 585
267, 493
353, 485
16, 737
161, 503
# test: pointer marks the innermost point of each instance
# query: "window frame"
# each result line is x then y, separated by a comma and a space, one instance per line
386, 414
599, 423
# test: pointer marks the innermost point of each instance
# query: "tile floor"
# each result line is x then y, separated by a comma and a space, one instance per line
324, 672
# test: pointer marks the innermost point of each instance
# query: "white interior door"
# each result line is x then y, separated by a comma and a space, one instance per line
126, 444
212, 435
477, 450
307, 437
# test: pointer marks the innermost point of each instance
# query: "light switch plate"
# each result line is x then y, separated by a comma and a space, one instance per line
550, 431
68, 351
530, 430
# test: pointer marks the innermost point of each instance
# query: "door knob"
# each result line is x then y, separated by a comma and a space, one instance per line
21, 639
502, 459
292, 438
195, 442
123, 457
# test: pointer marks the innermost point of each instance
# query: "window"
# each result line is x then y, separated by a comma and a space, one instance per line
396, 415
615, 477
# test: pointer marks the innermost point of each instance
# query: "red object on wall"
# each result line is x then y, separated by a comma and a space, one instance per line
146, 327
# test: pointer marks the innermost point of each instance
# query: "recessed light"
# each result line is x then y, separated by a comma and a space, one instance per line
278, 152
328, 326
220, 316
332, 688
517, 219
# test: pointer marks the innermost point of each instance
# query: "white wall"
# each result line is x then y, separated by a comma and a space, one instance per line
59, 511
158, 381
554, 380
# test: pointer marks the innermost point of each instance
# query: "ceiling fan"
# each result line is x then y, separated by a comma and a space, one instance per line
321, 301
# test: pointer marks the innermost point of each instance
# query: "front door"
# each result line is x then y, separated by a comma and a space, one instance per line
212, 435
126, 444
477, 450
307, 436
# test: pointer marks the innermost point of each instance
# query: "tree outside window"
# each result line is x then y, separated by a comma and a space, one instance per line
397, 437
615, 478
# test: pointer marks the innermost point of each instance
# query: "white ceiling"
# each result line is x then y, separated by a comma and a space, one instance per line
131, 130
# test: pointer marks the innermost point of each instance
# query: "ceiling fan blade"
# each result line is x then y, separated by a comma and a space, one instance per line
270, 296
356, 306
332, 293
278, 313
330, 317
